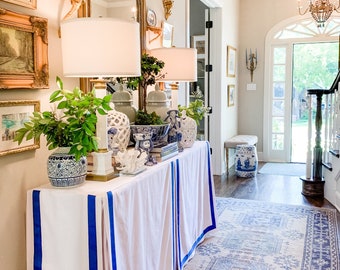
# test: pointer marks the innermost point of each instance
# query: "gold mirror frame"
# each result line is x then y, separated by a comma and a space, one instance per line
85, 11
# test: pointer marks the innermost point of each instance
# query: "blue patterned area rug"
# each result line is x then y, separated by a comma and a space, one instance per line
257, 235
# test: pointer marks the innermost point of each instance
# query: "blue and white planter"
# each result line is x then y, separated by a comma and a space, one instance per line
63, 170
246, 161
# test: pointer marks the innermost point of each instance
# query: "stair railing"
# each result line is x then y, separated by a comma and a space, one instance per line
316, 158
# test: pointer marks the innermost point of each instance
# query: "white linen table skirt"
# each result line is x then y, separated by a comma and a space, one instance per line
154, 220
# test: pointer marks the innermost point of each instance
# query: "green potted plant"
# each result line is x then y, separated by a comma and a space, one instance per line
72, 124
196, 110
146, 122
151, 69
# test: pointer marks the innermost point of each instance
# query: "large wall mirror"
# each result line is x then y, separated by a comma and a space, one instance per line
122, 9
149, 13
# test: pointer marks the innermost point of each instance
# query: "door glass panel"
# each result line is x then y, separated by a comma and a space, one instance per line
277, 141
279, 56
278, 90
278, 124
279, 73
278, 108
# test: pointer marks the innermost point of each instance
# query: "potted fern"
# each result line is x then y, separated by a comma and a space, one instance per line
70, 128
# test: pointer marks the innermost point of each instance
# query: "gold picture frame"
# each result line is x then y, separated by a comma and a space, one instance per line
13, 115
24, 3
26, 63
168, 31
231, 61
231, 95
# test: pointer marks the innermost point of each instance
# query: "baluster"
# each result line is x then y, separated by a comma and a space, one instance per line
309, 142
326, 117
330, 125
317, 154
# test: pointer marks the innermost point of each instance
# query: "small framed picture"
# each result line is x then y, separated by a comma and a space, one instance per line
24, 3
168, 31
151, 18
13, 115
198, 42
231, 95
231, 61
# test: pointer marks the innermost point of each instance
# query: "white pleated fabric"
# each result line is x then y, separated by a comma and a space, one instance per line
153, 220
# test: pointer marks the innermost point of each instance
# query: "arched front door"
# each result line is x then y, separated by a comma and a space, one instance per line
278, 92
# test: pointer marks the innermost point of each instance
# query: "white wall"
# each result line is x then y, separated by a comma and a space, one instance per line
223, 119
255, 21
23, 171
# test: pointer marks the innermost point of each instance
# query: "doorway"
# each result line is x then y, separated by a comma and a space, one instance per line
315, 66
289, 44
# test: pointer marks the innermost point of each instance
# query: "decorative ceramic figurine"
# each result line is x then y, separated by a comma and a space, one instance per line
131, 161
174, 134
144, 143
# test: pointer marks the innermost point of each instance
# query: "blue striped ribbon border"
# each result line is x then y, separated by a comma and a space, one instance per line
92, 232
212, 211
112, 230
37, 241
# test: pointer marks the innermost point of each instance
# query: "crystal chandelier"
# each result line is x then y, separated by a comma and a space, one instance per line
320, 10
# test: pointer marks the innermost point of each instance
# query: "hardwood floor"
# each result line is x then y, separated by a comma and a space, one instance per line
271, 188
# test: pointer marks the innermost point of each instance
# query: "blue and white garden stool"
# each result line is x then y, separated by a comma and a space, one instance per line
246, 161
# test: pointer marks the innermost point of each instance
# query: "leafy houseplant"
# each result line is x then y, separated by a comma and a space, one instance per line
143, 118
72, 124
196, 110
150, 72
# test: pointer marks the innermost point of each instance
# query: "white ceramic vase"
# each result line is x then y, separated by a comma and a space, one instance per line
188, 128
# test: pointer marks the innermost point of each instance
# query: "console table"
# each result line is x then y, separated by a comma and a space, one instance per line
150, 221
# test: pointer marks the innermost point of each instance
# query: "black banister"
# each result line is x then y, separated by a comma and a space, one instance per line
315, 186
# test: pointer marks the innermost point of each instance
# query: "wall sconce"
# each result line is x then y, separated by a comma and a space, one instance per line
167, 4
251, 62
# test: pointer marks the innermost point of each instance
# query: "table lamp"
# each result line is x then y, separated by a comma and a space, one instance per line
180, 63
98, 48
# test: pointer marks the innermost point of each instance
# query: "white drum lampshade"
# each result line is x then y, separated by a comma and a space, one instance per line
100, 47
180, 64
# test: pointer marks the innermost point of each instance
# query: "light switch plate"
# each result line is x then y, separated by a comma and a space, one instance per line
251, 86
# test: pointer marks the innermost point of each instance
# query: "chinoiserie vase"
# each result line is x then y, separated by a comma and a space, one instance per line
188, 129
63, 170
159, 132
122, 100
158, 102
246, 161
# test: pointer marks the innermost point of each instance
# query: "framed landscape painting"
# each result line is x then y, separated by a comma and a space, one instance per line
24, 3
13, 115
24, 57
